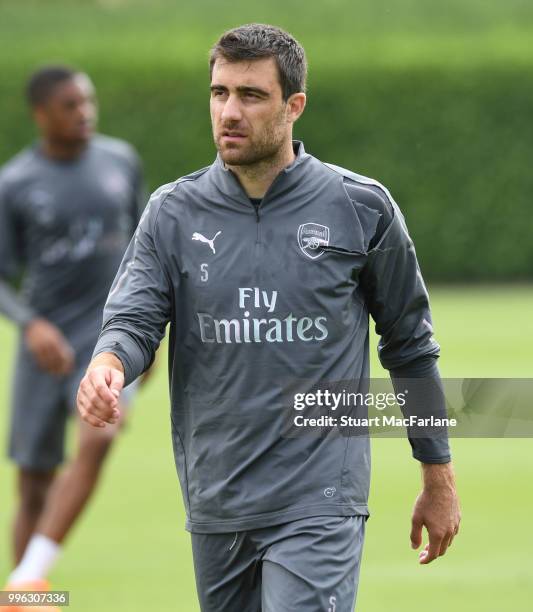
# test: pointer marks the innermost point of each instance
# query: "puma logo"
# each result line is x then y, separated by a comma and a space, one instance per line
201, 238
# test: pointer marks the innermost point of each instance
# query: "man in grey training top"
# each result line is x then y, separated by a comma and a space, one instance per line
68, 208
266, 264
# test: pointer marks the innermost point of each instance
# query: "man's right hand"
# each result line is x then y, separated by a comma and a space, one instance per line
49, 347
100, 389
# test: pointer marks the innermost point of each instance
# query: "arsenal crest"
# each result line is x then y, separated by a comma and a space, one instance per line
311, 238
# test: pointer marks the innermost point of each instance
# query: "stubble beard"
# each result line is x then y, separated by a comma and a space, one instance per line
257, 155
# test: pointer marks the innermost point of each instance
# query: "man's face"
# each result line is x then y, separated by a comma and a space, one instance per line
70, 112
248, 115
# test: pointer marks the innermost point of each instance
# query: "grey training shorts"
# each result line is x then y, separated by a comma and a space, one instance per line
308, 565
41, 403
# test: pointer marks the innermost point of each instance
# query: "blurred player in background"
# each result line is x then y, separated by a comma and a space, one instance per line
68, 207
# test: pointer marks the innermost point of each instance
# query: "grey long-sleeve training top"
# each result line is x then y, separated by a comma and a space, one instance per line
257, 298
65, 224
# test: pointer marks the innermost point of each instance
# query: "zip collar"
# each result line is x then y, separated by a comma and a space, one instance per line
285, 181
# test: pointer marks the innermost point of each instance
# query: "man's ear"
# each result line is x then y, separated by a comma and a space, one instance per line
295, 106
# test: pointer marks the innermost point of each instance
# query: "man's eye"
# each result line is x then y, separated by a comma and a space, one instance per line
217, 93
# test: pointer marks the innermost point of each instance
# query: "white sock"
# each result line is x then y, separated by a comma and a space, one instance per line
39, 557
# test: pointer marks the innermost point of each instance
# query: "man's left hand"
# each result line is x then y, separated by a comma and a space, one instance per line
437, 509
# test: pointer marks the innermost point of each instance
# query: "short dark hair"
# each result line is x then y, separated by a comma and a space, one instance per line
257, 41
43, 81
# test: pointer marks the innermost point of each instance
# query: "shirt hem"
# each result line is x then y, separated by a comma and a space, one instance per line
269, 519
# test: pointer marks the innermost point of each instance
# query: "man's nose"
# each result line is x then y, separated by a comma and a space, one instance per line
232, 109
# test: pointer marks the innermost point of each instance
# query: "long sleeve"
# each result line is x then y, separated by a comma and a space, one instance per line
12, 304
139, 303
425, 397
398, 301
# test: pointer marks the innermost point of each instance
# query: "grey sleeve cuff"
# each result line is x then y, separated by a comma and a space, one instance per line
14, 307
420, 455
126, 349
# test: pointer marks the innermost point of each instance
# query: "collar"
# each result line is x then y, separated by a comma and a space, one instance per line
286, 180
